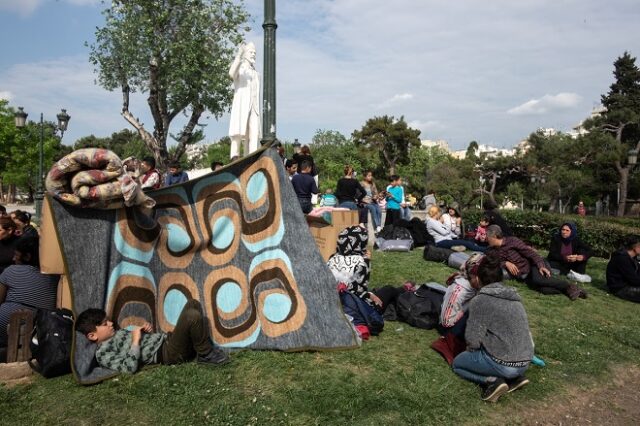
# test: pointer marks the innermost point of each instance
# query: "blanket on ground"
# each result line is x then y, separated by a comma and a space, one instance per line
235, 239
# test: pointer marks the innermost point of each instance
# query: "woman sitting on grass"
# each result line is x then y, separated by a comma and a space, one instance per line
623, 270
443, 235
499, 343
569, 254
23, 287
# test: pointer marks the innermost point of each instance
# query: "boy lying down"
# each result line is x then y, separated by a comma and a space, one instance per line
125, 351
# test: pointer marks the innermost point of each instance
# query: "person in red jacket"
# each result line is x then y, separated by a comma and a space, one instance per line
151, 177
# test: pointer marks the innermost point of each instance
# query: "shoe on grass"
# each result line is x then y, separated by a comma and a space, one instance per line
458, 248
573, 292
576, 276
494, 390
215, 357
517, 383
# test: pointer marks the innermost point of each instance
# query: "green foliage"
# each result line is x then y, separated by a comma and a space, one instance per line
392, 139
124, 143
537, 228
219, 151
328, 137
176, 51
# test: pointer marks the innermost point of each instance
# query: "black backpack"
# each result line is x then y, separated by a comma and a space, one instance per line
51, 345
436, 254
420, 308
392, 232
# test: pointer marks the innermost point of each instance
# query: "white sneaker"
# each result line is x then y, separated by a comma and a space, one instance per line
378, 229
581, 278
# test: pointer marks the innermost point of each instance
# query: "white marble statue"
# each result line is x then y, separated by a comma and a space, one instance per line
245, 125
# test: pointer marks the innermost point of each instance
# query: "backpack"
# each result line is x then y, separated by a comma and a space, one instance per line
420, 308
394, 245
51, 342
421, 236
436, 254
392, 232
361, 312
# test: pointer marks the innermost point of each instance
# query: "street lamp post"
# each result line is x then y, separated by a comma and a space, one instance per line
482, 180
20, 122
269, 92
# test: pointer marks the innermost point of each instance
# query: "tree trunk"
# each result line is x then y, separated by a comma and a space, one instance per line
624, 182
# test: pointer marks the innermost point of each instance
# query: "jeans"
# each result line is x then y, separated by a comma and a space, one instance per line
305, 204
467, 243
405, 213
478, 367
376, 214
546, 285
363, 213
190, 336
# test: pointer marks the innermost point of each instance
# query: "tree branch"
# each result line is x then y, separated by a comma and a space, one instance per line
187, 131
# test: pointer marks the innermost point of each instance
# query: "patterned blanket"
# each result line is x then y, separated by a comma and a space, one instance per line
94, 177
236, 240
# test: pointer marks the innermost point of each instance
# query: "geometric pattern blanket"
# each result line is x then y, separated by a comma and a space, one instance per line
236, 240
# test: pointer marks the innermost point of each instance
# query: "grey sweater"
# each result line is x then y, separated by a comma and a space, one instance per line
498, 323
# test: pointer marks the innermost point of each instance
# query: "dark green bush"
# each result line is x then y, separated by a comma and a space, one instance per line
604, 235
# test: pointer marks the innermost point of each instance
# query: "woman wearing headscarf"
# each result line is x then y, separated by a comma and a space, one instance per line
567, 252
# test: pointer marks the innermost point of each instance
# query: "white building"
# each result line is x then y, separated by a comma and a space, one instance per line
488, 151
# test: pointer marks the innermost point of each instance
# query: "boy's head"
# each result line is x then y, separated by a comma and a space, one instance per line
305, 166
329, 191
93, 323
291, 166
395, 180
175, 168
148, 163
484, 221
216, 165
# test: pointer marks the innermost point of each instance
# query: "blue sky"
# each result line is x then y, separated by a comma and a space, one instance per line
460, 71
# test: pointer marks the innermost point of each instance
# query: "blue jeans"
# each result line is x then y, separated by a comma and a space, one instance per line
405, 213
467, 243
376, 214
480, 368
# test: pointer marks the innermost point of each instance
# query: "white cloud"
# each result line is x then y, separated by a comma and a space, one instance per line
27, 7
6, 95
547, 103
425, 125
395, 99
21, 7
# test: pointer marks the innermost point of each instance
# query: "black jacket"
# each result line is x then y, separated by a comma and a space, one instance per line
622, 271
577, 247
496, 218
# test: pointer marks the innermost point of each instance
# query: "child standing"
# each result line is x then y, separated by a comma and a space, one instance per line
394, 197
304, 185
481, 231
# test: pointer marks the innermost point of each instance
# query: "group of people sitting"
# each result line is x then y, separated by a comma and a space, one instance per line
484, 317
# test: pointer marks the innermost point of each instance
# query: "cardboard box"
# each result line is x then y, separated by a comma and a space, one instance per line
326, 234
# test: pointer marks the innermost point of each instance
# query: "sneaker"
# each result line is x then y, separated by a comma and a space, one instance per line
517, 383
378, 229
215, 357
458, 248
576, 276
493, 391
573, 292
583, 293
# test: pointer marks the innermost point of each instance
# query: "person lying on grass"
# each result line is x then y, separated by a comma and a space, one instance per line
125, 351
499, 343
523, 263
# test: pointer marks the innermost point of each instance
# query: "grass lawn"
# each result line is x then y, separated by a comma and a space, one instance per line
392, 379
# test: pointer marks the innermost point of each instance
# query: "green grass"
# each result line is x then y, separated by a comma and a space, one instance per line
393, 379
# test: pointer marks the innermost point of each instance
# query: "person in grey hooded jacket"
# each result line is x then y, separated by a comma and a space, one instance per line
499, 343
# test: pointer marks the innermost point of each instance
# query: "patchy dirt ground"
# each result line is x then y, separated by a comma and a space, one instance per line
614, 403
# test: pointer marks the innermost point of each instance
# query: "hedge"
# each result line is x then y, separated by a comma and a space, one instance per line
536, 228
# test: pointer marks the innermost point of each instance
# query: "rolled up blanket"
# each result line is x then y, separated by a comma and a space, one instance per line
94, 177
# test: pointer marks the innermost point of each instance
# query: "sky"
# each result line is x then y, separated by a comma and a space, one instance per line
490, 71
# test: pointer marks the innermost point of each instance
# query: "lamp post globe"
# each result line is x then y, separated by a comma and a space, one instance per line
20, 118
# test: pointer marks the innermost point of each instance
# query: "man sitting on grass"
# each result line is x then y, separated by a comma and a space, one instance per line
125, 350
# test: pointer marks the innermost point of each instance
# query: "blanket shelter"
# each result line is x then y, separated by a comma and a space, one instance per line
236, 240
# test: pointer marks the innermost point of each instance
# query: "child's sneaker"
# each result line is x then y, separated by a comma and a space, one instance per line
458, 248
